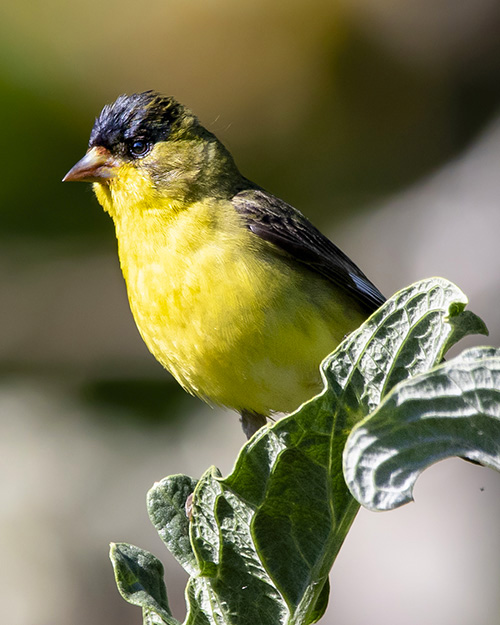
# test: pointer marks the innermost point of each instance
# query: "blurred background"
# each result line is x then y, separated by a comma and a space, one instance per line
380, 119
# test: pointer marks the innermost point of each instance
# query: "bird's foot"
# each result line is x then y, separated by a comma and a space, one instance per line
251, 422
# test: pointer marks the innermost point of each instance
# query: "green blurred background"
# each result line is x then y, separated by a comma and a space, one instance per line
377, 118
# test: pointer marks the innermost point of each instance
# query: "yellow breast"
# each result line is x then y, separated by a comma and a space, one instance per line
234, 322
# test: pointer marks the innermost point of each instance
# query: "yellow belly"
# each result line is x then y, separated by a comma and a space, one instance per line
234, 322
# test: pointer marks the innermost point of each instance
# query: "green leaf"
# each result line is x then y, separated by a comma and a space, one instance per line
320, 607
204, 528
236, 585
202, 604
291, 479
139, 577
464, 324
409, 334
166, 503
452, 410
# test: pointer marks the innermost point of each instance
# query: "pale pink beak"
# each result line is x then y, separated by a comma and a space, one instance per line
97, 165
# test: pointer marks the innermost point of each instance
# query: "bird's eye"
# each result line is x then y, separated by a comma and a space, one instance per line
139, 147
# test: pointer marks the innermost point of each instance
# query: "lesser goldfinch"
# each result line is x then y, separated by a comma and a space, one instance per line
233, 290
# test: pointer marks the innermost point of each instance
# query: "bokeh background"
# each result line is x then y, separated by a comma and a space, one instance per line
380, 120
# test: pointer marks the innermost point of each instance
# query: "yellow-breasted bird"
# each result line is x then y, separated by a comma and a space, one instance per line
233, 290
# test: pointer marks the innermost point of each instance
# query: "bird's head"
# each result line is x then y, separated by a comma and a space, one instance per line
147, 150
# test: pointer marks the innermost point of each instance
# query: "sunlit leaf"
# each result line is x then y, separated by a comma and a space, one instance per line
452, 410
167, 510
139, 577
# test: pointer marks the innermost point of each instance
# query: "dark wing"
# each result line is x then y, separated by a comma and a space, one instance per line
279, 223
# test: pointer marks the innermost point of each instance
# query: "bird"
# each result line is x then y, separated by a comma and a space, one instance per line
232, 289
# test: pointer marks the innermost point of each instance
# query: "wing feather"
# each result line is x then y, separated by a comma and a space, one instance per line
277, 222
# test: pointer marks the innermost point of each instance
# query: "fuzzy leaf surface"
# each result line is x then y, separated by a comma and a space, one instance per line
452, 410
139, 577
166, 503
406, 336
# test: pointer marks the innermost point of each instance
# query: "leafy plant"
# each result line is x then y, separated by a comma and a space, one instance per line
259, 543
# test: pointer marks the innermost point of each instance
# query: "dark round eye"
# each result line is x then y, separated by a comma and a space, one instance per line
139, 147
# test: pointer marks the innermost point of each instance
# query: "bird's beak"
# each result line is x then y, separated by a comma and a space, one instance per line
97, 165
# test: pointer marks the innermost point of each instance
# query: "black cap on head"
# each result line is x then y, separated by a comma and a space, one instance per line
147, 116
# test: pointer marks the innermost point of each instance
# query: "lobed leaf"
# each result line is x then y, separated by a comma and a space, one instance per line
166, 502
139, 577
452, 410
409, 334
